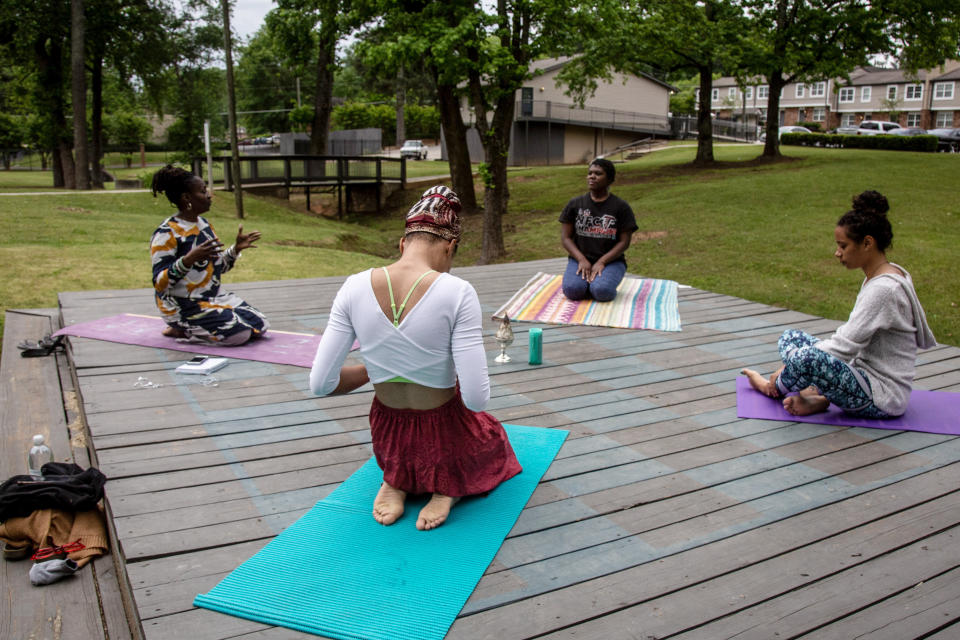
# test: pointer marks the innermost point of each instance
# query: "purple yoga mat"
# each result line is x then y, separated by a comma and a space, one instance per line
278, 347
930, 411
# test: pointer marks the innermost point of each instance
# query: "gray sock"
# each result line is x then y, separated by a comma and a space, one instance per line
51, 571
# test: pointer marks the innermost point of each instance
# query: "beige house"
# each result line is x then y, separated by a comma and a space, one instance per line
549, 128
929, 99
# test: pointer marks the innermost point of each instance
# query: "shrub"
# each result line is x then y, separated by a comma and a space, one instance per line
813, 126
890, 143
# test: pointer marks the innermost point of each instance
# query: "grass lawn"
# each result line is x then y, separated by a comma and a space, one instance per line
759, 231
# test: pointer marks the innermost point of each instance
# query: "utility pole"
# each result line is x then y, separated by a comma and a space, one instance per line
232, 111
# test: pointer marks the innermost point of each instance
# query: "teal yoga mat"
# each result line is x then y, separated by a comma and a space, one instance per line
336, 572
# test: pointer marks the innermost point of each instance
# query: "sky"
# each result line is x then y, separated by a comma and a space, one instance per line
248, 16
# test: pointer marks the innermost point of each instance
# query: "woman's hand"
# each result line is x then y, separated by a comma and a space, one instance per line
203, 251
245, 240
595, 271
584, 268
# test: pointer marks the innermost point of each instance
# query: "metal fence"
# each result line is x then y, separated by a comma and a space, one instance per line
547, 110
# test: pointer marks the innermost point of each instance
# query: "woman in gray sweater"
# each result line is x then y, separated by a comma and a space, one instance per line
867, 366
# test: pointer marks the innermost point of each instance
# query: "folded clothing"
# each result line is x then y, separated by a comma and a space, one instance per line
63, 486
57, 527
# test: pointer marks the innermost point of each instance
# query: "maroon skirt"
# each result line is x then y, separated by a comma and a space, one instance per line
448, 450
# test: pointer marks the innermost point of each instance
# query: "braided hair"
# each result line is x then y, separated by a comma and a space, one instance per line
868, 218
173, 182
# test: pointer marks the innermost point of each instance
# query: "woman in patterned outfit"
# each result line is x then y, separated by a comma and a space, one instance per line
188, 260
867, 366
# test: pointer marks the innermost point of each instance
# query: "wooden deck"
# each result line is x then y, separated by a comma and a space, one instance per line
663, 516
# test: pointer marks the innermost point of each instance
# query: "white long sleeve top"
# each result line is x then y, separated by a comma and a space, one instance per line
882, 335
438, 341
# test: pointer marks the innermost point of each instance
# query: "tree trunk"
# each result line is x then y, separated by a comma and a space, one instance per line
401, 106
771, 147
232, 111
96, 123
65, 153
323, 96
458, 153
496, 193
78, 84
704, 119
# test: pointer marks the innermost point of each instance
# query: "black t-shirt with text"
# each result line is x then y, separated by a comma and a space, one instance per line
597, 224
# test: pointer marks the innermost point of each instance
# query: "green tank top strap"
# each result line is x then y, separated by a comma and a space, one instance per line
397, 313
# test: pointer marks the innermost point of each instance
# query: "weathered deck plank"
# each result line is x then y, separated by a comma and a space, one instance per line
661, 504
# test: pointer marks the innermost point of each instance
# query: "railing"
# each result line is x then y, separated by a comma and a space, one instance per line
304, 171
548, 110
686, 126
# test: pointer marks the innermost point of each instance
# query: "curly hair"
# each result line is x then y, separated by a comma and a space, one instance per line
173, 182
868, 218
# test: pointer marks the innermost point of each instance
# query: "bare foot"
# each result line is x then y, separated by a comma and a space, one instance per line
809, 401
765, 386
173, 332
435, 512
388, 505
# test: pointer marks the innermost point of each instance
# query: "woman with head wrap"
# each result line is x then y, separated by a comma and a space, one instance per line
419, 330
867, 366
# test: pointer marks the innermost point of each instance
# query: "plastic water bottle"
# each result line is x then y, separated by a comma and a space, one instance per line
40, 454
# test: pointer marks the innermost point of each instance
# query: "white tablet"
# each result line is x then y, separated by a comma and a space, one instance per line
202, 365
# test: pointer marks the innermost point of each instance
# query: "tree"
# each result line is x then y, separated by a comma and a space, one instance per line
425, 38
126, 131
305, 26
11, 138
667, 36
78, 84
267, 83
802, 40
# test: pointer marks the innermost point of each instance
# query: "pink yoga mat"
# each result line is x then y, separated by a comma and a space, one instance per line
278, 347
929, 411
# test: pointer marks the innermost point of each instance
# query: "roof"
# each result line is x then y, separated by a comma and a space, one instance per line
546, 65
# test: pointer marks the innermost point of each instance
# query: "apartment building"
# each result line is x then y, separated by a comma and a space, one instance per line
928, 99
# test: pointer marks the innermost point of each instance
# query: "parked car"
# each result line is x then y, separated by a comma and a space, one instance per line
909, 131
787, 129
414, 149
850, 130
876, 127
949, 139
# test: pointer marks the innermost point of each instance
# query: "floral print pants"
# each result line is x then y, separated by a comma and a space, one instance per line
806, 366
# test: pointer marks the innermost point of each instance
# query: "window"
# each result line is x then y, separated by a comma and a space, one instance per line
748, 95
913, 119
914, 92
944, 119
865, 94
943, 91
764, 92
869, 126
848, 120
715, 95
818, 89
818, 114
732, 93
799, 89
847, 94
892, 92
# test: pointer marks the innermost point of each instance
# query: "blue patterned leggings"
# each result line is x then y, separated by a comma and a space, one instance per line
805, 366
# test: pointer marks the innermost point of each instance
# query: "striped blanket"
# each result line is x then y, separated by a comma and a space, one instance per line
641, 303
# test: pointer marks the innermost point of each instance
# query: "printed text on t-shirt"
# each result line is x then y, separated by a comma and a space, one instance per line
591, 226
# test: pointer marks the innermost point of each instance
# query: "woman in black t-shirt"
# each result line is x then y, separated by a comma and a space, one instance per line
596, 230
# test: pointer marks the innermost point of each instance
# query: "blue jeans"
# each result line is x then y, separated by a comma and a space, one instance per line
602, 289
806, 366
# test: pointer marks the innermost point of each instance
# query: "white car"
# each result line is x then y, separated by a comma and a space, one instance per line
876, 127
790, 128
414, 149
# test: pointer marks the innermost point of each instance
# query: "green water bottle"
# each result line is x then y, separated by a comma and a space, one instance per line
536, 345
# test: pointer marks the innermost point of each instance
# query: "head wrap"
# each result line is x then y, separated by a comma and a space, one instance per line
436, 213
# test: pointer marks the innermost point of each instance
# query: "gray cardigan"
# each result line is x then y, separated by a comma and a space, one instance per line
882, 335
